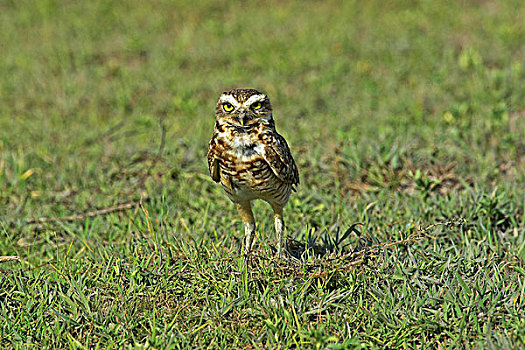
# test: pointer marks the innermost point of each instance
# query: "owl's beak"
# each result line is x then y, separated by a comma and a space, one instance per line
242, 117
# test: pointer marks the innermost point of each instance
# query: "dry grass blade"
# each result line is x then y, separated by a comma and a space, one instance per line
359, 256
89, 214
8, 258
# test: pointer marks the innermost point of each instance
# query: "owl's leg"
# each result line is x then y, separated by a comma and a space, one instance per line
279, 227
245, 210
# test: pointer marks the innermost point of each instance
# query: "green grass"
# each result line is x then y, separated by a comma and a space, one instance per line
405, 116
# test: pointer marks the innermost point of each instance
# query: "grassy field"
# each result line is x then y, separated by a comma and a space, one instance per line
405, 116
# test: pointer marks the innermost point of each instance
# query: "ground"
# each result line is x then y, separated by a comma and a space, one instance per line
407, 122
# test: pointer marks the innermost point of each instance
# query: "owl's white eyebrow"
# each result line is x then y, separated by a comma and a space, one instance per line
230, 99
254, 98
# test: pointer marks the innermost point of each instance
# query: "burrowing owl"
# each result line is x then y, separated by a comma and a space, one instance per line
250, 159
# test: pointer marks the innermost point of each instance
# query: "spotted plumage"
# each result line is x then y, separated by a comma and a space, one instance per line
250, 159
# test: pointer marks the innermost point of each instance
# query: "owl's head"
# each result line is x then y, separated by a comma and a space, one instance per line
244, 108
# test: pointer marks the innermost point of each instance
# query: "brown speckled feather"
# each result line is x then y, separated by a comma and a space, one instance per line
278, 155
213, 159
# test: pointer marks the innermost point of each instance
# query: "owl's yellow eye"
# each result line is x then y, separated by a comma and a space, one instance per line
257, 105
227, 107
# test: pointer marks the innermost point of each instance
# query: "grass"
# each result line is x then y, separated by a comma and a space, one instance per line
406, 116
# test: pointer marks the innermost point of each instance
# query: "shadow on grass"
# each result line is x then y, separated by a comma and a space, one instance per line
336, 252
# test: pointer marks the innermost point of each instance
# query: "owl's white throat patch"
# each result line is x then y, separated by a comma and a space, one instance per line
244, 146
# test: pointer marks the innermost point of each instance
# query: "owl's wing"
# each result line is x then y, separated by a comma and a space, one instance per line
213, 161
278, 156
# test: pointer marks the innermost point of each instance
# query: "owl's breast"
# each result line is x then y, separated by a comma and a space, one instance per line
245, 165
245, 175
